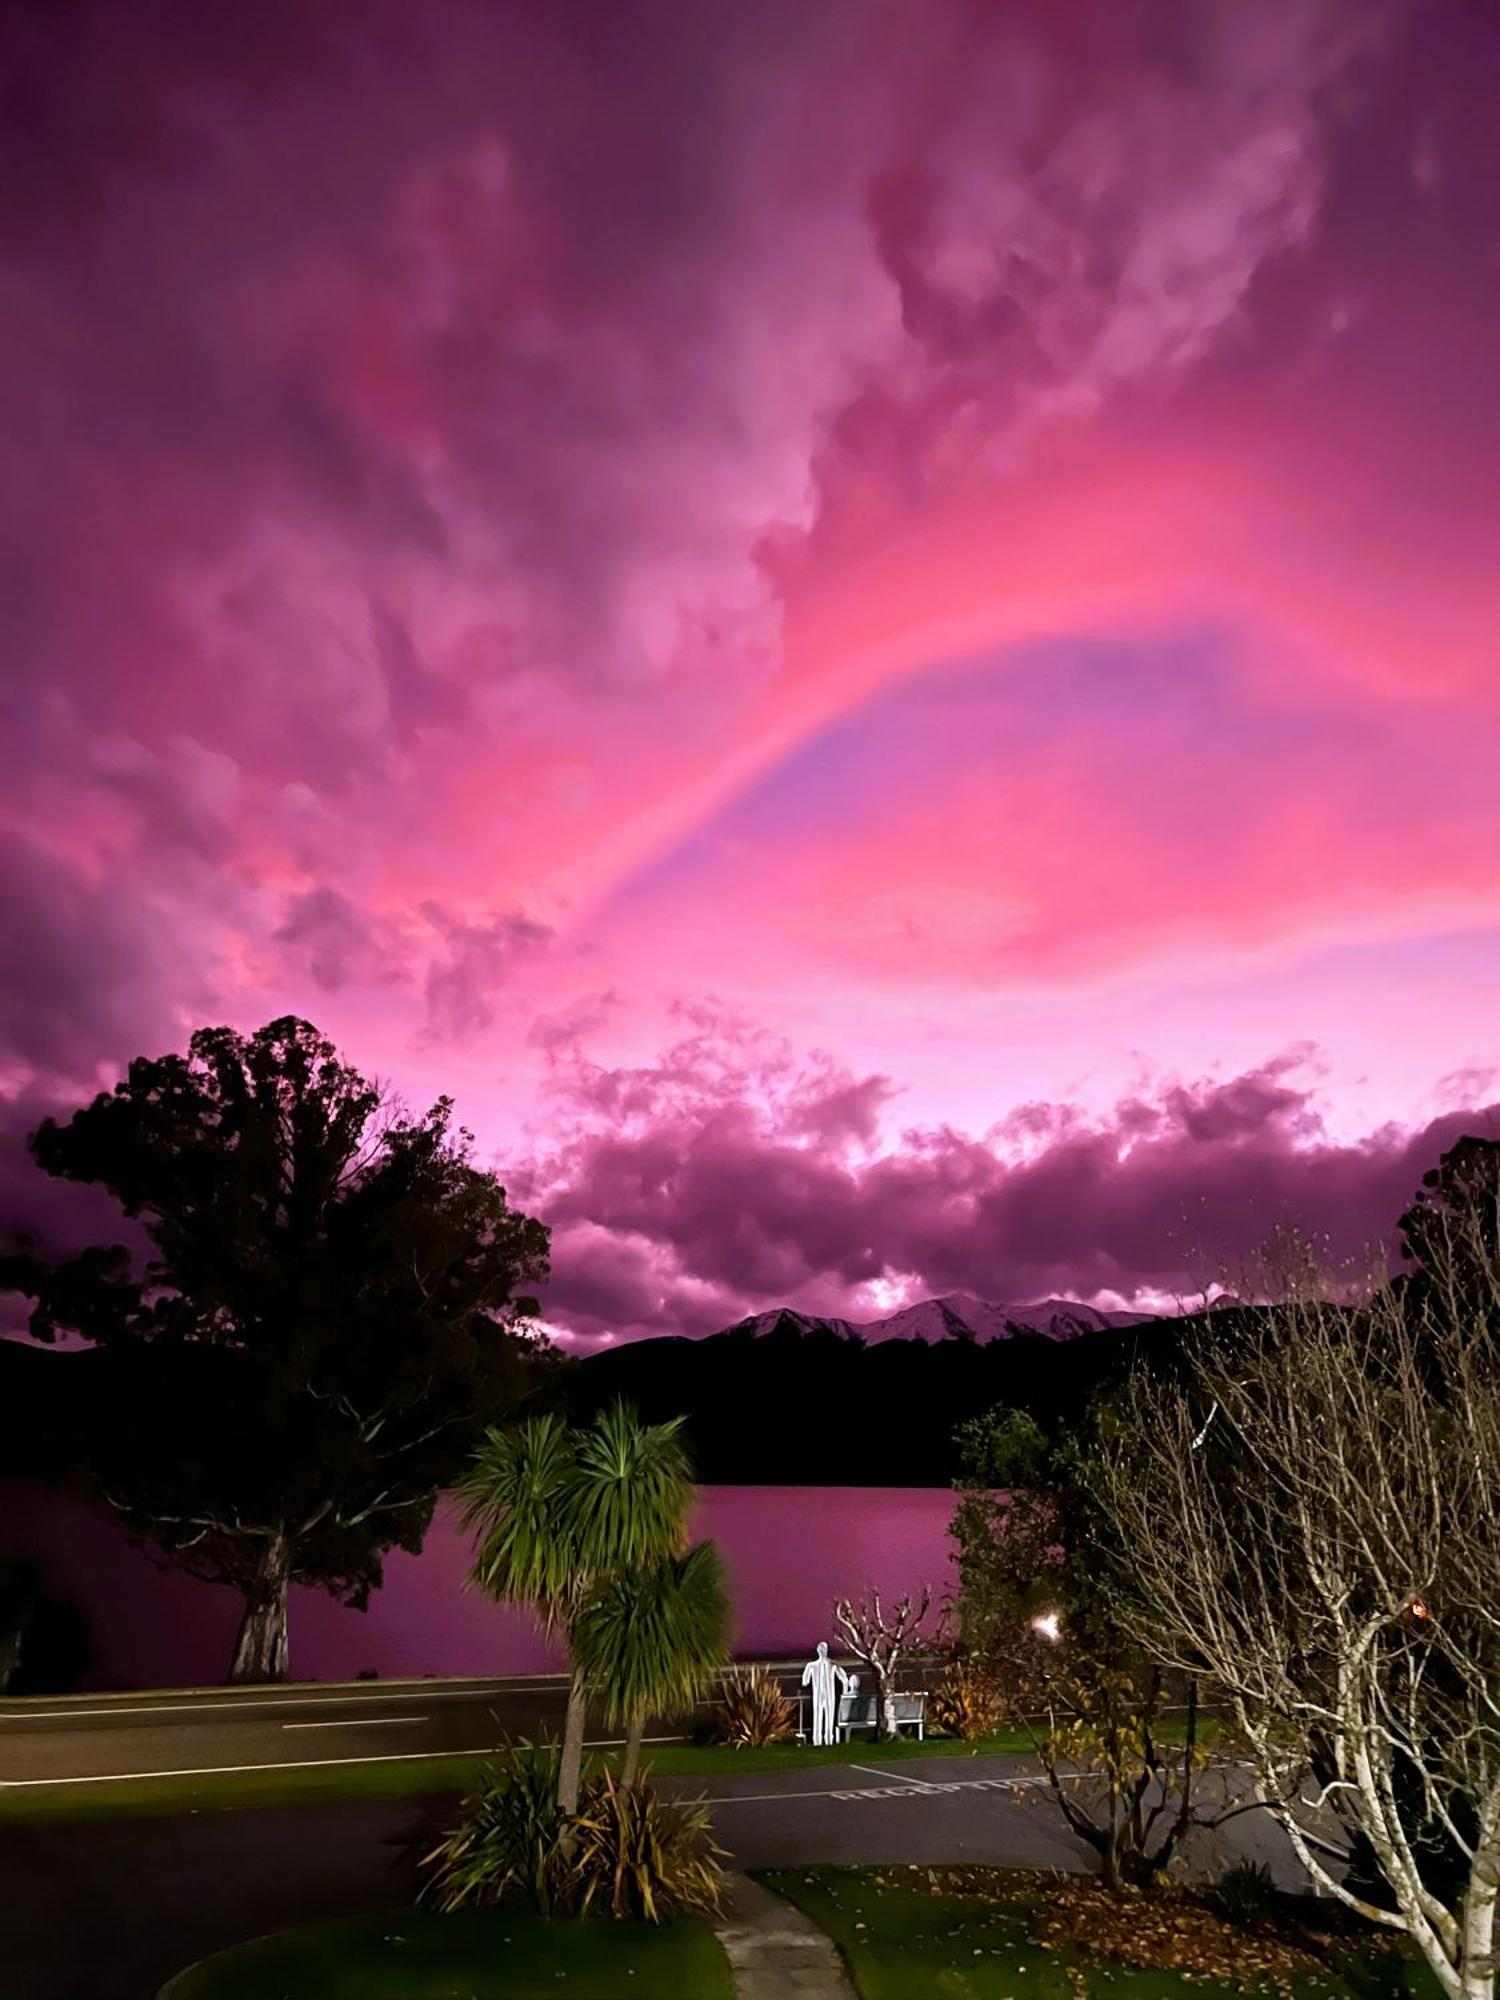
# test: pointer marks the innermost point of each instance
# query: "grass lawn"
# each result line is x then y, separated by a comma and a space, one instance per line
418, 1955
901, 1939
420, 1777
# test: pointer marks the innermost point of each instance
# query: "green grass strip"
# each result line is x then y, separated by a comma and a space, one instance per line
418, 1955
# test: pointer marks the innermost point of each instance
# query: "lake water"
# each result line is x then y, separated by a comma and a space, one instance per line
790, 1551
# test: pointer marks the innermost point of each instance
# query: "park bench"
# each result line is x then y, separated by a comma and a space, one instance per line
857, 1711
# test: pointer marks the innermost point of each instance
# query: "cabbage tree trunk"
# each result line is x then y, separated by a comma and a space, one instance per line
570, 1771
630, 1769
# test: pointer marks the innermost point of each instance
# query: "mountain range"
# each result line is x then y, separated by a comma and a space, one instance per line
954, 1316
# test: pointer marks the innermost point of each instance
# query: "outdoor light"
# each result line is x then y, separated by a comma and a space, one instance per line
1049, 1625
1418, 1609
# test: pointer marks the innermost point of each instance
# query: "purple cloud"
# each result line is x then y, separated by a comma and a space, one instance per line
723, 1190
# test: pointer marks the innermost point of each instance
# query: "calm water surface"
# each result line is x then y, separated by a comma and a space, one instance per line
790, 1551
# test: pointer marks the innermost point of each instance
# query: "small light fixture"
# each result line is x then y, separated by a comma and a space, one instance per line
1418, 1609
1048, 1626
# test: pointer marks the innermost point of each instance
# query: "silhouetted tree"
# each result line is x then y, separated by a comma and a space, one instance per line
1451, 1234
327, 1315
45, 1643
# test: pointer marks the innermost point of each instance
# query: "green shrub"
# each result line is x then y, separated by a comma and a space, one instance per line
1246, 1892
751, 1710
628, 1852
638, 1855
968, 1701
508, 1844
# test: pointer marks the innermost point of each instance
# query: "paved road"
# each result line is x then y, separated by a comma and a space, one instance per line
105, 1911
223, 1729
218, 1731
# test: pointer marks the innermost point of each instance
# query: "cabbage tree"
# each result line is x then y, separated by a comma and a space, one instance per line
558, 1512
648, 1641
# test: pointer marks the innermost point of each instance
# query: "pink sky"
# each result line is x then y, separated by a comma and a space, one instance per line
870, 629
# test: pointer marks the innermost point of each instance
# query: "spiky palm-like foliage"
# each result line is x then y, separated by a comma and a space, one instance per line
558, 1512
640, 1856
1247, 1892
751, 1710
648, 1641
628, 1852
513, 1493
630, 1490
508, 1845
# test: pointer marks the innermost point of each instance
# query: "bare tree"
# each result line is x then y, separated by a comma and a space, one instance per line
878, 1638
1312, 1519
1127, 1783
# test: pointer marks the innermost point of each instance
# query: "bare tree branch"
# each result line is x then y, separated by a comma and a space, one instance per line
1324, 1545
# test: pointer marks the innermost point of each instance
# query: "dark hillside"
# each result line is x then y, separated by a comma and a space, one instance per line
799, 1405
811, 1407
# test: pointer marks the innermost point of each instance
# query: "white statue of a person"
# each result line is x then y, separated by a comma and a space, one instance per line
827, 1680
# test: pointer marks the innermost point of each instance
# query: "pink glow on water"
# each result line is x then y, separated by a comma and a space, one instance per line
790, 1550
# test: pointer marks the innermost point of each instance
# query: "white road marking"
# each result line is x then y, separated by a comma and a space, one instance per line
786, 1798
232, 1704
298, 1764
886, 1776
359, 1722
927, 1791
874, 1791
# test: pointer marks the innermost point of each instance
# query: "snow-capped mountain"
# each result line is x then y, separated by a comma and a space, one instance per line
955, 1316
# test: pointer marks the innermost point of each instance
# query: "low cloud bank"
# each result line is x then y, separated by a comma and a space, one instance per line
729, 1176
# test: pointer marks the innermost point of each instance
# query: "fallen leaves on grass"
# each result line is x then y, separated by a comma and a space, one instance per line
1170, 1929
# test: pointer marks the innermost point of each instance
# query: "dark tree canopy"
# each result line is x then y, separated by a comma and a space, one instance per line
1451, 1232
330, 1310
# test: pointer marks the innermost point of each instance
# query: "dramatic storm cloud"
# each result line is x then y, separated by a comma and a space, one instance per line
597, 552
730, 1174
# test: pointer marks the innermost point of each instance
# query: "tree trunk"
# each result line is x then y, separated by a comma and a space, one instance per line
262, 1651
886, 1714
570, 1772
1479, 1907
879, 1705
632, 1764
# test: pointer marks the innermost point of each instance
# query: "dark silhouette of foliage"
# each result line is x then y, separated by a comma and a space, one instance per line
329, 1309
1451, 1232
45, 1643
757, 1405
